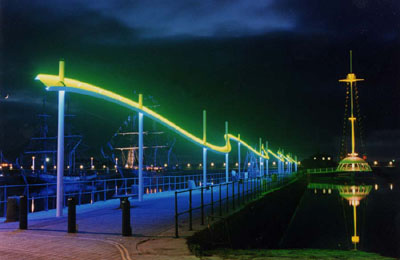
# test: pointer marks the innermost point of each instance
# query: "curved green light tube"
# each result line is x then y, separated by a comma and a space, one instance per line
53, 83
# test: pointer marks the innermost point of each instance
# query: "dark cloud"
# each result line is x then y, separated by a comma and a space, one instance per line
268, 67
379, 20
156, 18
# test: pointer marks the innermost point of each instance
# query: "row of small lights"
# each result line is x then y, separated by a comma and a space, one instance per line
165, 165
376, 187
212, 164
323, 158
127, 166
390, 162
375, 162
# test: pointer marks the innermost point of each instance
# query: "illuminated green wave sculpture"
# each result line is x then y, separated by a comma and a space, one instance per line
53, 83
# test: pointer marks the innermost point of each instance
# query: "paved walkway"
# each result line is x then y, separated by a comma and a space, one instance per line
99, 231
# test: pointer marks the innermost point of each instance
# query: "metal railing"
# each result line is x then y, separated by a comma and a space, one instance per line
321, 170
236, 194
43, 196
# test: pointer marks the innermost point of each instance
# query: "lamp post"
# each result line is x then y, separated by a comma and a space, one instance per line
33, 163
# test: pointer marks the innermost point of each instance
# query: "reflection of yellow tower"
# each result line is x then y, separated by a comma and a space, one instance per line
352, 162
354, 194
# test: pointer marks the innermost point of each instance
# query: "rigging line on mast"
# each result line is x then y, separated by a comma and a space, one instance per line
359, 121
343, 146
145, 133
136, 148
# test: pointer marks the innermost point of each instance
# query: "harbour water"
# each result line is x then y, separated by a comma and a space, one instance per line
324, 217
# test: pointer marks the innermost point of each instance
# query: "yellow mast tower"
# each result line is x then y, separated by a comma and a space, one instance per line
352, 162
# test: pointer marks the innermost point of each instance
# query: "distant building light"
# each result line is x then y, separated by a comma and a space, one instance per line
376, 186
315, 158
390, 163
200, 165
22, 167
212, 164
47, 159
286, 163
92, 167
329, 158
248, 164
188, 165
224, 164
323, 158
165, 165
67, 166
298, 162
81, 167
391, 186
273, 163
126, 166
375, 162
42, 167
104, 166
236, 164
55, 167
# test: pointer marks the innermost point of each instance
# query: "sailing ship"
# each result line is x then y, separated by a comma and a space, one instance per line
39, 158
122, 148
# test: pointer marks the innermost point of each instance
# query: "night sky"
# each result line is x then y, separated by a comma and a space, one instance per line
270, 68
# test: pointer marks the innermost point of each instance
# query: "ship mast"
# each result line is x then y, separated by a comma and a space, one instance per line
351, 79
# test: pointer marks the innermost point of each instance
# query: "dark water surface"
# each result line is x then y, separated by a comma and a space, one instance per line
324, 217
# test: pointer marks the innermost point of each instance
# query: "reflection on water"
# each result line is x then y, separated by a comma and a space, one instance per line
348, 213
352, 193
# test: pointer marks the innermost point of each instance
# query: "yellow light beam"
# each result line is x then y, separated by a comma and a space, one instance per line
287, 157
53, 83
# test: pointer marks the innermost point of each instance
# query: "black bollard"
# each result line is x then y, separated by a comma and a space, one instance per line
126, 218
71, 215
23, 213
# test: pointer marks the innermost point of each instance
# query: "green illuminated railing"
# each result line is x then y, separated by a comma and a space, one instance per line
321, 170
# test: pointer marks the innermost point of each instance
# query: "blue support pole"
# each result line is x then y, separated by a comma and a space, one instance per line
266, 163
239, 156
226, 155
259, 147
227, 167
204, 148
204, 166
141, 186
60, 146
